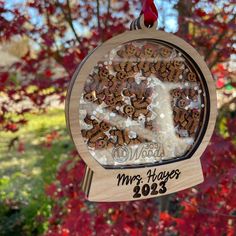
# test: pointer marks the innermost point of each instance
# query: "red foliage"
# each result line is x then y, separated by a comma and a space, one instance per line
21, 147
54, 135
56, 47
208, 209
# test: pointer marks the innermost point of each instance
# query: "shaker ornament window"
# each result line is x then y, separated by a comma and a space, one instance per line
141, 109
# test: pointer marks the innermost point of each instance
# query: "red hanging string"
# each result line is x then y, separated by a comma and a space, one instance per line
149, 11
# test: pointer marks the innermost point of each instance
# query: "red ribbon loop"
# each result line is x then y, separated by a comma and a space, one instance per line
150, 12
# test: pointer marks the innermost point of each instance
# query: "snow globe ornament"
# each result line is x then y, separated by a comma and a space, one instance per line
141, 109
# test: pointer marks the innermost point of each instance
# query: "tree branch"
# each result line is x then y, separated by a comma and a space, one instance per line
209, 53
70, 21
108, 13
215, 45
68, 18
98, 16
213, 63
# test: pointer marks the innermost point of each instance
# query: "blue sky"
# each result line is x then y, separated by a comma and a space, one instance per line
167, 14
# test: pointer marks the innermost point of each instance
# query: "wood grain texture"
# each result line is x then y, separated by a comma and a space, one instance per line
101, 185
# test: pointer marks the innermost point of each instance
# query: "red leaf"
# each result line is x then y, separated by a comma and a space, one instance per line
220, 83
21, 147
4, 77
200, 12
51, 190
232, 127
11, 127
48, 73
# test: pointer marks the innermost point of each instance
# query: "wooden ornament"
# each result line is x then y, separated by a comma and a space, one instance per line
141, 109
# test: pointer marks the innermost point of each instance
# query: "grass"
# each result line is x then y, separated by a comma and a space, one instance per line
24, 174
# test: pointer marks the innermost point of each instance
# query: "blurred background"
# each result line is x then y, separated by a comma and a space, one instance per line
41, 44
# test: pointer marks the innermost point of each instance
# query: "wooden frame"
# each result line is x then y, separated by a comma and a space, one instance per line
101, 184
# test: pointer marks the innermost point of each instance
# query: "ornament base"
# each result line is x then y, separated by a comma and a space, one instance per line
141, 183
